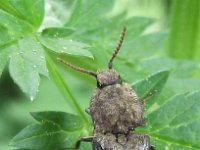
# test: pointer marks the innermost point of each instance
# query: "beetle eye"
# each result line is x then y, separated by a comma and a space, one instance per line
99, 85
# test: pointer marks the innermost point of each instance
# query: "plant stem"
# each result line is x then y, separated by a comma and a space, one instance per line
64, 89
185, 30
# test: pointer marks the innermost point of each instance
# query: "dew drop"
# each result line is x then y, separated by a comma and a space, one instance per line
34, 51
65, 48
150, 127
56, 34
31, 98
42, 57
166, 148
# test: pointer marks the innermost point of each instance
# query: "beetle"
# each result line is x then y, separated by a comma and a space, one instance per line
115, 109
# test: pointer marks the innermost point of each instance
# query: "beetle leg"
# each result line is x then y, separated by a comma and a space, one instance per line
77, 146
152, 148
146, 99
84, 139
87, 111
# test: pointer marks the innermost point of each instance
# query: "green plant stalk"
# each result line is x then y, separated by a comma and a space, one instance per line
184, 35
197, 46
64, 89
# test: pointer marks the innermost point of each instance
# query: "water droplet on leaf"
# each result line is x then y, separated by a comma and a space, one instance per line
65, 48
34, 51
42, 57
31, 98
166, 148
56, 34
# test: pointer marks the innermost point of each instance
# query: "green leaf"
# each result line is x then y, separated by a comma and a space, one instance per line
64, 45
75, 13
30, 10
25, 75
46, 136
66, 121
57, 32
57, 13
84, 10
55, 130
176, 122
19, 19
12, 27
26, 62
134, 50
151, 85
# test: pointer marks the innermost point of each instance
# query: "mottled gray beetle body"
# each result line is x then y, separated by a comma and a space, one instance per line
114, 107
116, 111
130, 142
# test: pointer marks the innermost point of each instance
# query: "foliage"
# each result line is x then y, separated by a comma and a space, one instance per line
54, 130
184, 36
87, 38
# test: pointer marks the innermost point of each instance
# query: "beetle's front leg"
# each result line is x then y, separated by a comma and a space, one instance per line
77, 146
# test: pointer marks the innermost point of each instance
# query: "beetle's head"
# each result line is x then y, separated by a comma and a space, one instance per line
108, 77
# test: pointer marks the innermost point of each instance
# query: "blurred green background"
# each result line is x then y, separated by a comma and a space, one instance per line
168, 39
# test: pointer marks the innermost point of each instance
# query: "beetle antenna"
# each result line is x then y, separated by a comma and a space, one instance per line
76, 67
114, 54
